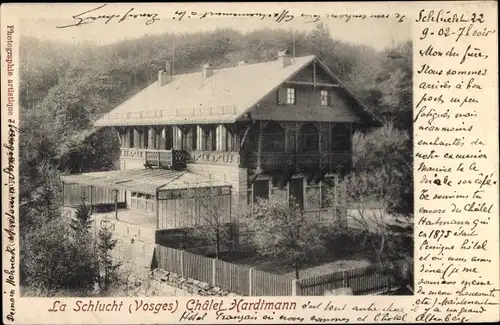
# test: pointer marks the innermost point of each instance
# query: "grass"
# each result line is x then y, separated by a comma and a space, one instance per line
314, 266
332, 267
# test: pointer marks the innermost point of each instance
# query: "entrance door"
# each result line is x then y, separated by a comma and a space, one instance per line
297, 191
260, 190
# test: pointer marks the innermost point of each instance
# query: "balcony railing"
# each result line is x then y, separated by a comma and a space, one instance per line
157, 157
329, 161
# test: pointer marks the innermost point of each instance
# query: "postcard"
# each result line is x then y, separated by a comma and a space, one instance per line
218, 163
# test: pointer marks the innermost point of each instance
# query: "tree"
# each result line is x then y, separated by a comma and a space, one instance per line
212, 221
52, 260
108, 269
369, 196
40, 197
388, 150
282, 230
390, 89
82, 220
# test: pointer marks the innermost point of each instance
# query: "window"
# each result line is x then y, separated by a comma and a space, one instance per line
290, 95
324, 98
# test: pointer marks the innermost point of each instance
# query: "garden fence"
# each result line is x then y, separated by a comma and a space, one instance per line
250, 281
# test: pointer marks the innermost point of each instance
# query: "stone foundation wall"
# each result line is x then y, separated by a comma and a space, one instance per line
192, 286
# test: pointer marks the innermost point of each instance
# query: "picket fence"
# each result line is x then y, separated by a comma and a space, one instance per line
249, 281
362, 281
235, 278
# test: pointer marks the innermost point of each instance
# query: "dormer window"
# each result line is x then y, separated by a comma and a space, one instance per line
290, 95
324, 97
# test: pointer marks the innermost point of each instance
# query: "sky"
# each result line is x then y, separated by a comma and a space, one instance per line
41, 21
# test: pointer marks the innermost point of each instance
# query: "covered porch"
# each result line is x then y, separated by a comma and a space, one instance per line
157, 198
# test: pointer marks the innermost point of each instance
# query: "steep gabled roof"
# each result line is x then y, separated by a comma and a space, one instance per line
224, 97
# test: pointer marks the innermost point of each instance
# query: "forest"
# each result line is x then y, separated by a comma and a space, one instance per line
65, 87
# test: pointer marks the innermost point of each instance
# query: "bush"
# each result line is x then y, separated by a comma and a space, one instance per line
52, 259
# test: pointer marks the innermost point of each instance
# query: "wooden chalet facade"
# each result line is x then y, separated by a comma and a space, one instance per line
277, 130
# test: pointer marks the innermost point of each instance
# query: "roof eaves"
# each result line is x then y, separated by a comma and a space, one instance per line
344, 87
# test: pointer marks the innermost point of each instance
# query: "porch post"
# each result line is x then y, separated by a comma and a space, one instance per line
116, 204
151, 138
137, 140
63, 197
127, 143
157, 142
91, 203
157, 221
259, 146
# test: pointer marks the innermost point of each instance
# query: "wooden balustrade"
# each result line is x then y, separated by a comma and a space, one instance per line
270, 161
264, 160
156, 158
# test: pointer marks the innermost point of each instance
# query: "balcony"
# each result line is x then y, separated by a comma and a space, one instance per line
178, 158
173, 159
301, 161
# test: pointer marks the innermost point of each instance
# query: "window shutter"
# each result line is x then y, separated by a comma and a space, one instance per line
282, 95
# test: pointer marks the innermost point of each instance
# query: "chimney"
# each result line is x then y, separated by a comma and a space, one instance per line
207, 70
165, 75
168, 67
284, 58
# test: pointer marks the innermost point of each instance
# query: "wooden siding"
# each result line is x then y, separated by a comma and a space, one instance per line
182, 213
74, 193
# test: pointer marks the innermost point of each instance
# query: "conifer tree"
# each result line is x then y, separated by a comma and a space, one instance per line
82, 221
108, 268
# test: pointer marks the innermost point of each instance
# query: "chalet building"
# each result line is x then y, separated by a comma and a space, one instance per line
278, 130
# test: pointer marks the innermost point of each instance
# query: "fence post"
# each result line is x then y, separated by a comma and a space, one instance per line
343, 279
250, 284
214, 267
182, 263
294, 287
